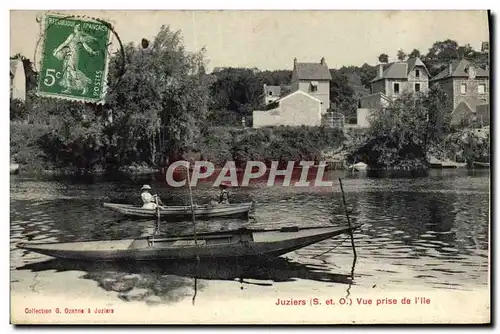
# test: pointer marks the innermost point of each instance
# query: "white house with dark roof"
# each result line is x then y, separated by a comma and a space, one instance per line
271, 93
313, 79
17, 79
295, 109
394, 79
307, 102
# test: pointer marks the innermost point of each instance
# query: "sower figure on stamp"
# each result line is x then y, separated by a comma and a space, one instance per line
68, 52
148, 200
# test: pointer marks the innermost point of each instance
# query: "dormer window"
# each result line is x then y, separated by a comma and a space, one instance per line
417, 74
314, 86
471, 71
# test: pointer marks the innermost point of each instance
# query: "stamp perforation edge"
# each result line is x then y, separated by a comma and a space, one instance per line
41, 46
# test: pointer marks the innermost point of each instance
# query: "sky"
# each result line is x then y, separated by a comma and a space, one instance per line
272, 39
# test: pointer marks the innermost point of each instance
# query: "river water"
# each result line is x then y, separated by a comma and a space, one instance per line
418, 232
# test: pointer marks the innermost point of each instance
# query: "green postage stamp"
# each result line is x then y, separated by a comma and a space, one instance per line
74, 58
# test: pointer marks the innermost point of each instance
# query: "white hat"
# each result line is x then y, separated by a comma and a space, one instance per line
144, 187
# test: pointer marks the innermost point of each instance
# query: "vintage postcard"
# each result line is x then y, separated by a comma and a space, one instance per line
250, 167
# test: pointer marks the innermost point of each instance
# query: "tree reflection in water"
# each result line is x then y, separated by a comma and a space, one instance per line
168, 282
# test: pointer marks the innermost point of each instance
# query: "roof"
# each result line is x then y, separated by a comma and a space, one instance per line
275, 90
274, 104
297, 92
400, 70
459, 70
312, 71
380, 94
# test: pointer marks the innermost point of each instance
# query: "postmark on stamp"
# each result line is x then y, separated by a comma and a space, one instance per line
74, 58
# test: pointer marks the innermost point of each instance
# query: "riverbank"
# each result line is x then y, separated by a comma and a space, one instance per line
31, 148
221, 144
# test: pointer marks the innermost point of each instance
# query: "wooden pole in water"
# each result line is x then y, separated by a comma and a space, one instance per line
158, 220
192, 206
348, 220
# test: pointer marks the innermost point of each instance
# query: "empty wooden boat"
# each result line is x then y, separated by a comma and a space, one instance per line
360, 166
201, 211
478, 164
228, 244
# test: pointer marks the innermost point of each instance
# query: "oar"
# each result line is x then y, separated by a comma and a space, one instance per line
158, 221
192, 207
349, 222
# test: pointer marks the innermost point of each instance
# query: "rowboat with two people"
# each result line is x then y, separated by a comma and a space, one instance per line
200, 211
149, 209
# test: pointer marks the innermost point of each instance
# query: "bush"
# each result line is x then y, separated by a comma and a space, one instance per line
25, 147
267, 144
18, 110
402, 133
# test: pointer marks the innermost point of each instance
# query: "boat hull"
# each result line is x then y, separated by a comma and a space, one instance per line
230, 244
477, 164
206, 211
358, 167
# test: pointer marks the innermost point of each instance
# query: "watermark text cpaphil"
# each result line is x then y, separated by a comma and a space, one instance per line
298, 174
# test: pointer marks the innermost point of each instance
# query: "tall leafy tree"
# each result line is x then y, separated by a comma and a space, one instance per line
341, 93
415, 53
402, 134
446, 50
401, 55
237, 89
161, 99
383, 58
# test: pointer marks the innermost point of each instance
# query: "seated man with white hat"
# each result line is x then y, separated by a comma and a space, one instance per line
148, 200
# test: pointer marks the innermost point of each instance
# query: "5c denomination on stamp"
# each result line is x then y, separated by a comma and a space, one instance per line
74, 58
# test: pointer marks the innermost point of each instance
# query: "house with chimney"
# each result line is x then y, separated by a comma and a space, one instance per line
307, 102
395, 79
313, 79
467, 89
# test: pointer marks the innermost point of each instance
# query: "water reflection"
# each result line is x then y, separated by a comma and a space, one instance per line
169, 282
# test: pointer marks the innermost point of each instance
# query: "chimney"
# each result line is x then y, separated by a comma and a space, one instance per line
450, 69
322, 62
380, 70
295, 60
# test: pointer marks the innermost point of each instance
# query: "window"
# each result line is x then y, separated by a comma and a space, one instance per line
314, 86
463, 88
481, 88
417, 73
396, 88
270, 93
417, 87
